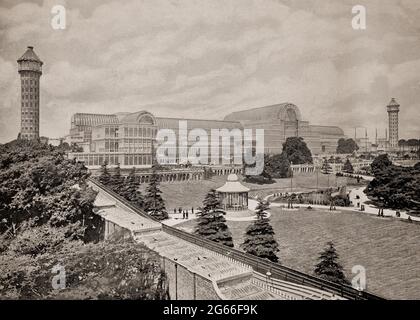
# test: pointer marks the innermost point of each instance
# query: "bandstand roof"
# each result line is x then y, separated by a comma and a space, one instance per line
232, 185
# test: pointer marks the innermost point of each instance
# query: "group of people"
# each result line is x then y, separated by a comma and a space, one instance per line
184, 212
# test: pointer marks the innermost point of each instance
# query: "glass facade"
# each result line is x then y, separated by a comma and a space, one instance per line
126, 143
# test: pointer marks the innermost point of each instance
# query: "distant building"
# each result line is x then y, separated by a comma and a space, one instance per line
127, 138
284, 120
30, 70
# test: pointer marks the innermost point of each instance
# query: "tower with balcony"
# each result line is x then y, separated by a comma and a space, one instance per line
393, 108
30, 70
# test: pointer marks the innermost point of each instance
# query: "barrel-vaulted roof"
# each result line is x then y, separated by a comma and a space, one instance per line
283, 111
91, 119
326, 130
143, 117
171, 123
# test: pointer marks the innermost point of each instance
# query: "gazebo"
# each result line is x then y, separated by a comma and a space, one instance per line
233, 195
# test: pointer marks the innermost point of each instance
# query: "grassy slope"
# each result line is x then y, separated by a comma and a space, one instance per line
387, 249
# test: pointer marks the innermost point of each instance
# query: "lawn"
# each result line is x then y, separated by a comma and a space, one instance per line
387, 249
187, 194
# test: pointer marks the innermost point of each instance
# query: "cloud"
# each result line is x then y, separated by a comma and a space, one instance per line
208, 58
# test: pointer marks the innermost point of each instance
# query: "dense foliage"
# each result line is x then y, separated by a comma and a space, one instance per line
296, 151
46, 218
259, 237
154, 203
211, 223
410, 144
120, 270
346, 146
328, 267
394, 186
130, 189
38, 185
278, 166
264, 177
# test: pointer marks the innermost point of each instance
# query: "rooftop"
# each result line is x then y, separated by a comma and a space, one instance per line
30, 55
232, 185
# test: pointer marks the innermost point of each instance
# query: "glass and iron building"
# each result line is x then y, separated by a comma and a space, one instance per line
128, 139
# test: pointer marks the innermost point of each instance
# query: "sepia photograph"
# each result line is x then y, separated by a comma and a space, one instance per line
225, 151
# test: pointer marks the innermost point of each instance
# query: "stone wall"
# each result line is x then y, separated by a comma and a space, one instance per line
185, 284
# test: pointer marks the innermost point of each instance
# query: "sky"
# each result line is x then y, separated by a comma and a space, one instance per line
206, 58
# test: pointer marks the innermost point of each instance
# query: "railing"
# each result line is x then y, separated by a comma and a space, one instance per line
258, 264
277, 271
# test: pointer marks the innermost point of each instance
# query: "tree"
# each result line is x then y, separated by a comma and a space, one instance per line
328, 267
326, 169
296, 151
259, 236
130, 189
154, 203
348, 167
346, 146
380, 163
117, 180
401, 144
211, 223
394, 186
104, 176
264, 177
278, 166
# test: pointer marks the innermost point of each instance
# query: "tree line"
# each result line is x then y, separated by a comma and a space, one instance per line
395, 187
129, 188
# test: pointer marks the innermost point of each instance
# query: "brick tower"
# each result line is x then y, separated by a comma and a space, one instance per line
30, 70
393, 109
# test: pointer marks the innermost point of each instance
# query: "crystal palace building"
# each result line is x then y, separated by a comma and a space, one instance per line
128, 138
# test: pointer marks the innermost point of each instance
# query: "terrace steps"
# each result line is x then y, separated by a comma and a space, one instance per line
234, 279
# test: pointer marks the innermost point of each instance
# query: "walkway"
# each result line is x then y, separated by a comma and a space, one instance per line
364, 200
371, 209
